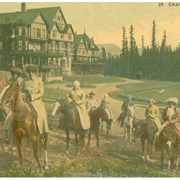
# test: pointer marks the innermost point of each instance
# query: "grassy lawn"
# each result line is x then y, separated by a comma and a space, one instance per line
93, 79
54, 93
99, 167
142, 92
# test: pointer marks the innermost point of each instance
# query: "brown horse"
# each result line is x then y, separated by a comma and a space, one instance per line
146, 130
96, 117
168, 144
71, 120
24, 124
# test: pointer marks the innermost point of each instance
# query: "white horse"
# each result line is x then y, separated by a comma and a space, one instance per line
128, 123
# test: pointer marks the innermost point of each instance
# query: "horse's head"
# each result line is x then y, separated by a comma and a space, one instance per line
10, 93
138, 128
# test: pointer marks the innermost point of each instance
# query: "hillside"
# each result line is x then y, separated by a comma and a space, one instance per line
111, 48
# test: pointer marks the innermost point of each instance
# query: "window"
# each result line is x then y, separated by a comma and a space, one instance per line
1, 45
20, 45
69, 36
20, 31
23, 31
53, 45
33, 32
62, 36
38, 33
26, 45
43, 33
59, 18
57, 47
54, 34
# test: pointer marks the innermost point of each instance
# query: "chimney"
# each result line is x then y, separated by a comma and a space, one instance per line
23, 7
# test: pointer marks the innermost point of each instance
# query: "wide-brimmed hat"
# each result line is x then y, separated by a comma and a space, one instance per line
76, 83
173, 100
31, 68
92, 93
16, 70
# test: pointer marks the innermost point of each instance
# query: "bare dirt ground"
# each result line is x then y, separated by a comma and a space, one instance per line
112, 145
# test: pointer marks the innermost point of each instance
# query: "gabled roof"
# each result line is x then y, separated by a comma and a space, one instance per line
18, 17
48, 13
77, 40
66, 28
89, 42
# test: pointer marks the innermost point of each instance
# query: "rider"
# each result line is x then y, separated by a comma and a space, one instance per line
56, 106
105, 104
170, 116
78, 97
15, 78
34, 90
92, 102
124, 109
152, 113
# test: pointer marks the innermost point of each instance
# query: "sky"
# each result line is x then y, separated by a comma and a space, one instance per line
104, 20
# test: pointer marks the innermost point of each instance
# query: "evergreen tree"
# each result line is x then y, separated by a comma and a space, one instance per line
153, 42
163, 43
124, 42
104, 56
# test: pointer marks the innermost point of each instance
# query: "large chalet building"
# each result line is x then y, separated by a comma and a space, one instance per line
43, 37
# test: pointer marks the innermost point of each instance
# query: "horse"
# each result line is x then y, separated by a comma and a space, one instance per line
128, 123
24, 124
71, 121
146, 130
95, 116
168, 144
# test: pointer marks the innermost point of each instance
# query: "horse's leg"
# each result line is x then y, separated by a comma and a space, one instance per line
18, 138
34, 141
143, 147
46, 166
101, 125
97, 137
67, 140
89, 137
148, 149
162, 159
81, 138
77, 142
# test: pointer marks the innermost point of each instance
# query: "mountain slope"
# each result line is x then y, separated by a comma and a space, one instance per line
111, 48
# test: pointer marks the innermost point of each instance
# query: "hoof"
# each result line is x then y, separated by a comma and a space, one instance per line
46, 167
143, 157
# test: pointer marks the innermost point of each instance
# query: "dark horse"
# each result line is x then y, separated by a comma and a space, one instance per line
23, 123
168, 144
95, 117
146, 130
71, 121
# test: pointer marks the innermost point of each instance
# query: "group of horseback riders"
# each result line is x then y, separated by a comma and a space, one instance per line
170, 115
32, 89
